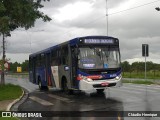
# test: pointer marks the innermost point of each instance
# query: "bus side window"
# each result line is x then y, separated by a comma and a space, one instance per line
38, 57
54, 60
30, 63
42, 59
64, 55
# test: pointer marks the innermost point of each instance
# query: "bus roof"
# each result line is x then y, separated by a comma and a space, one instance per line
72, 42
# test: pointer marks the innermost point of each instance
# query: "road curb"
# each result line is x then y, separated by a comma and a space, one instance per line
16, 103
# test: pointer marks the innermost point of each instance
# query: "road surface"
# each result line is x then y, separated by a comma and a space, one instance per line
127, 98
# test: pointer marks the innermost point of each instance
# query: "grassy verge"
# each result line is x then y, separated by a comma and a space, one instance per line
17, 75
8, 118
139, 82
150, 75
9, 91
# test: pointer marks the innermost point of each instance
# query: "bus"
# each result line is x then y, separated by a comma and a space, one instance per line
83, 63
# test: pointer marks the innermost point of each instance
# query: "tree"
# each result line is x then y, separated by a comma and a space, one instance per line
15, 14
13, 66
24, 65
125, 66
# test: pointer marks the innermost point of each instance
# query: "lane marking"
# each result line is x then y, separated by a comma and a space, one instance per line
60, 98
118, 89
139, 89
144, 87
136, 85
41, 101
134, 91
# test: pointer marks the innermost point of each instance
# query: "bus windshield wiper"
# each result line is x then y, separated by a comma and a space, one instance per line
92, 47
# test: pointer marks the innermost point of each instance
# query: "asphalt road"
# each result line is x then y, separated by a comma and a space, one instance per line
128, 98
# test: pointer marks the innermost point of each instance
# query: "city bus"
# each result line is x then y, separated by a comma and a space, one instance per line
83, 63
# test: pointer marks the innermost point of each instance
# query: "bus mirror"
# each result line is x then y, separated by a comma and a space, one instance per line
66, 68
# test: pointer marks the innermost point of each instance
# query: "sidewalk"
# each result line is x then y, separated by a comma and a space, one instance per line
12, 105
4, 104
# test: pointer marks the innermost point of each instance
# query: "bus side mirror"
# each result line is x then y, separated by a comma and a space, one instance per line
66, 68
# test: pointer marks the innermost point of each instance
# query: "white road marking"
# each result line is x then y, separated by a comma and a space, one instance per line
41, 101
139, 89
136, 89
154, 87
124, 90
60, 98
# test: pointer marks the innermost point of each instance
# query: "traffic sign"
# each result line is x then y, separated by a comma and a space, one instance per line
19, 69
6, 66
145, 50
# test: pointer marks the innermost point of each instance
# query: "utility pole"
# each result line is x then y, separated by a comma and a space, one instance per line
145, 53
3, 60
107, 16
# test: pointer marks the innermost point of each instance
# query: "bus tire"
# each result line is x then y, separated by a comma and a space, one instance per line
100, 91
65, 88
40, 84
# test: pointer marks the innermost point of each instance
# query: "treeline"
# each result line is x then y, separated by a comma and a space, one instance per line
13, 66
136, 67
140, 66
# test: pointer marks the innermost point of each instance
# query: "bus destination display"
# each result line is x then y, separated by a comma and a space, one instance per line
99, 41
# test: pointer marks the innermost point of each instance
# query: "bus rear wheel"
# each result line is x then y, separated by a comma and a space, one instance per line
40, 84
41, 87
65, 88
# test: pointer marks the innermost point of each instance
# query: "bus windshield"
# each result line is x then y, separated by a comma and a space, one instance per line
99, 57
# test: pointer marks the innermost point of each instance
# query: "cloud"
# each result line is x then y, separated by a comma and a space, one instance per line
74, 18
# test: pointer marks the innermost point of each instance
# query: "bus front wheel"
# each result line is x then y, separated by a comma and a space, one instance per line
65, 88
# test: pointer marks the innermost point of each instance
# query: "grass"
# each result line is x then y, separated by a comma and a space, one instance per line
150, 75
16, 75
146, 82
9, 92
9, 118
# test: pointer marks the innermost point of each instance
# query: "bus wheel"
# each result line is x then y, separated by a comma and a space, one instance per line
65, 88
40, 84
100, 91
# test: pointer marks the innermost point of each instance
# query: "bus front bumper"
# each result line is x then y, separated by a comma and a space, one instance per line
86, 85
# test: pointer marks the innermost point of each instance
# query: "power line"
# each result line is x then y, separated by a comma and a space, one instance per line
134, 7
139, 6
107, 15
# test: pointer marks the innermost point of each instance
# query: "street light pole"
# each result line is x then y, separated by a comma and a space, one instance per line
107, 16
3, 60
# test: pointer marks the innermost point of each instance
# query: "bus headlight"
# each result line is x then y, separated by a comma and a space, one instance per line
118, 77
87, 79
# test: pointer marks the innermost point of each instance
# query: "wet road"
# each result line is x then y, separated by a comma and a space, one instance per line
126, 98
21, 81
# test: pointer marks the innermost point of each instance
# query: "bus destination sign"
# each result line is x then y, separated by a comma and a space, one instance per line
99, 41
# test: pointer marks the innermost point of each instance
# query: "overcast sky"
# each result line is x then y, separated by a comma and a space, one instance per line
75, 18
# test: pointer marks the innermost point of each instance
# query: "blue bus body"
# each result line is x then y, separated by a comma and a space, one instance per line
83, 63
